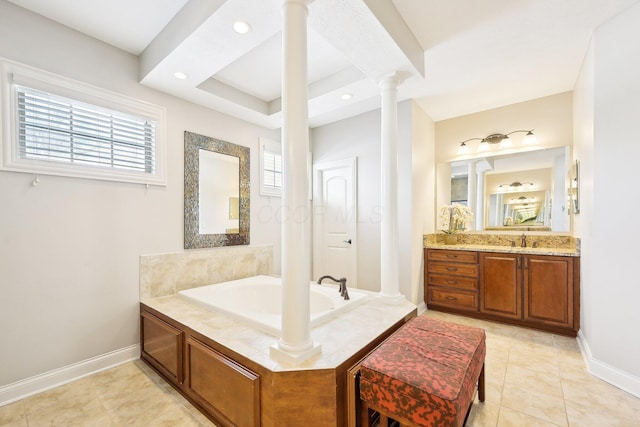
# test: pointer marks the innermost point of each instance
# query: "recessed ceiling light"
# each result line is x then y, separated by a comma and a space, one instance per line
241, 27
346, 96
180, 75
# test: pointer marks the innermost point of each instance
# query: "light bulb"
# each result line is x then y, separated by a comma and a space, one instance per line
530, 139
506, 142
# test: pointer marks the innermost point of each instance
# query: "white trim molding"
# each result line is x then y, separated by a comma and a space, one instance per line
48, 380
614, 376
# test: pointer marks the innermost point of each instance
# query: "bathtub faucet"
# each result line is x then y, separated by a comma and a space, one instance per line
343, 285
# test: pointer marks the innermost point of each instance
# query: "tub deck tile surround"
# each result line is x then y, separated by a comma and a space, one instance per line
560, 245
163, 275
326, 376
340, 337
166, 274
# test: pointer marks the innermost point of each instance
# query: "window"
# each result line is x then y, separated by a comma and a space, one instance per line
62, 127
270, 168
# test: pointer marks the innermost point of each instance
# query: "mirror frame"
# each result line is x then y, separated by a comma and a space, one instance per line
193, 143
574, 190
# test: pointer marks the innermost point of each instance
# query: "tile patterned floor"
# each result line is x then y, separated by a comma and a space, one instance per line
533, 379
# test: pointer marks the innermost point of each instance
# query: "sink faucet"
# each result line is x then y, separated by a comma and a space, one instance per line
523, 241
343, 285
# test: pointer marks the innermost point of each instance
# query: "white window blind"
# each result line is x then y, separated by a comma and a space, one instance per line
52, 125
271, 168
54, 128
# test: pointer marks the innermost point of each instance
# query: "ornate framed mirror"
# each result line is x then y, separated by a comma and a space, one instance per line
216, 192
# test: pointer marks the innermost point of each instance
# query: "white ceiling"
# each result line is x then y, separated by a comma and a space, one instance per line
457, 56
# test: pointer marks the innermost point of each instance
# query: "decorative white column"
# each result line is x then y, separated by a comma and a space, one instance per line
481, 168
389, 272
295, 344
472, 190
479, 220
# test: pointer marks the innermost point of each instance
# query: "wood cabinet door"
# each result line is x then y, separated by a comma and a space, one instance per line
226, 389
162, 346
548, 289
500, 285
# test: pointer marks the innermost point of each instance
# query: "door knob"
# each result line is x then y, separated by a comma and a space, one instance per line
347, 241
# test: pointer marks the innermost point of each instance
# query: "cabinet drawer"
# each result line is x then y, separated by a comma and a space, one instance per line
453, 256
470, 270
456, 299
453, 282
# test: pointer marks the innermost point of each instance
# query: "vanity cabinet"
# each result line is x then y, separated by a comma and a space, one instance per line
538, 291
501, 285
452, 279
548, 290
534, 288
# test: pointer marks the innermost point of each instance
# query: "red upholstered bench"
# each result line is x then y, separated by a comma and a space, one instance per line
425, 374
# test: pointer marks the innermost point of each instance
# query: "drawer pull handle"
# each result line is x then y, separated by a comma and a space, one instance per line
451, 282
452, 256
452, 269
450, 298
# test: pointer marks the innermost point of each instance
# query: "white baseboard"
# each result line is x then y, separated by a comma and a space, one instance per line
57, 377
604, 371
422, 307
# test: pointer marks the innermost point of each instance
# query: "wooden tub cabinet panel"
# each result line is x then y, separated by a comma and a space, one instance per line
233, 390
227, 389
162, 346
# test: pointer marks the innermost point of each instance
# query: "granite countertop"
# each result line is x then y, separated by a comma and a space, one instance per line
506, 249
537, 244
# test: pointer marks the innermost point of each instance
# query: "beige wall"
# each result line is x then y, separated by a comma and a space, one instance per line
551, 117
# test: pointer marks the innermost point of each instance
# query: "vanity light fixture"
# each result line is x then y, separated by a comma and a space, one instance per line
463, 149
498, 138
241, 27
523, 199
516, 186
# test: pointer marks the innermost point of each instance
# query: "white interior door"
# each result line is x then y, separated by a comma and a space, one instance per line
335, 220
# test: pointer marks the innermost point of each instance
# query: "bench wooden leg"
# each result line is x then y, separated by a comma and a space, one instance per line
481, 385
364, 414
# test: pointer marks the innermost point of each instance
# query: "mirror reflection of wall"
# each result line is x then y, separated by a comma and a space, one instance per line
548, 169
219, 182
459, 189
519, 198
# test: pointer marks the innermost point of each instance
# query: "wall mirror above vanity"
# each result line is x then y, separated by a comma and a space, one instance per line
514, 192
216, 192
